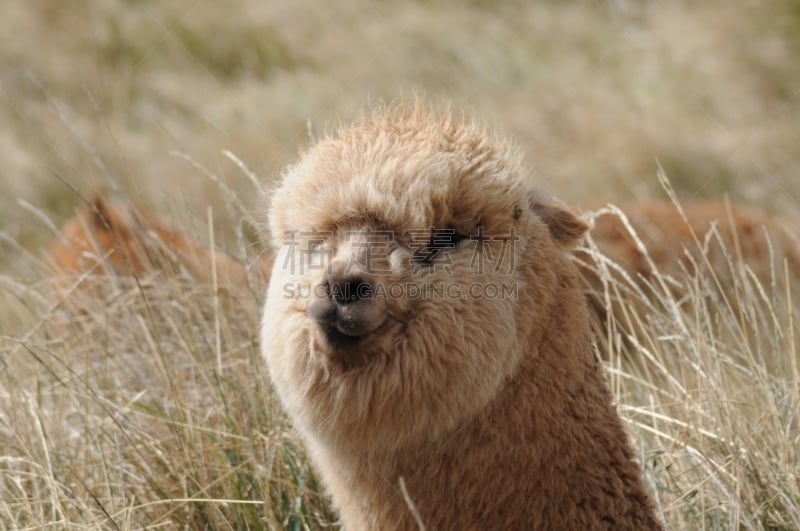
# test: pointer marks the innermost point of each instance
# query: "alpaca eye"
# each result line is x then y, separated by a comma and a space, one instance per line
440, 240
445, 238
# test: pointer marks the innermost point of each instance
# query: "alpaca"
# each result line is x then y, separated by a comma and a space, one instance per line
683, 244
426, 332
745, 233
117, 238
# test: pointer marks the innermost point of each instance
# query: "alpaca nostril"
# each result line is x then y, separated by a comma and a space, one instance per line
351, 290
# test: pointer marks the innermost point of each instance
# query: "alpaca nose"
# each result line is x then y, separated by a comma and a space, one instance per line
344, 305
351, 290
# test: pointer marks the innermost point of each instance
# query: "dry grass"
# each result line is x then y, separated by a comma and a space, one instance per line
706, 367
128, 416
145, 403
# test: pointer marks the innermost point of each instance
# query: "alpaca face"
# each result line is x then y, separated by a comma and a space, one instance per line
366, 285
401, 296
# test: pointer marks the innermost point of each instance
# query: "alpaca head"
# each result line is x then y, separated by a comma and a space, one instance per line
414, 269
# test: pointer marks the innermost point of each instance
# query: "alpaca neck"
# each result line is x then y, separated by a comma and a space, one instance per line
548, 452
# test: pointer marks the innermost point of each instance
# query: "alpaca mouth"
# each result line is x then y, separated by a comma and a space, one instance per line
338, 340
341, 350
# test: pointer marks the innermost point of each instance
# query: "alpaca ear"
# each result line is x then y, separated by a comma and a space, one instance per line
566, 228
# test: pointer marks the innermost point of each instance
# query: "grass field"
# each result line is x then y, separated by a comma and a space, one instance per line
131, 403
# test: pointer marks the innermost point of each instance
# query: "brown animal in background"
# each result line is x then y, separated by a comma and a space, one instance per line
745, 233
450, 411
112, 237
676, 246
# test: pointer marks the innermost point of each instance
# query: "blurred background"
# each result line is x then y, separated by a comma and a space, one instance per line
140, 98
137, 402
